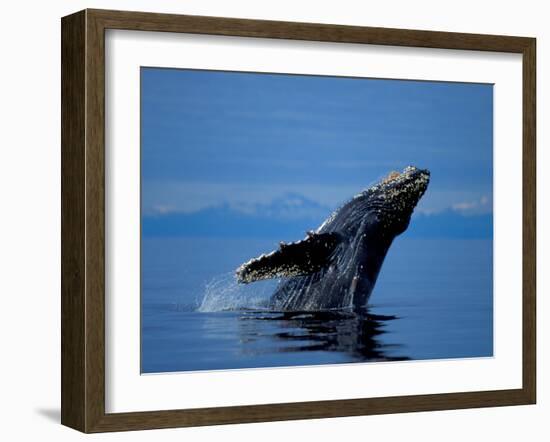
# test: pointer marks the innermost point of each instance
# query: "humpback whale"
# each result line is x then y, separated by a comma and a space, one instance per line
336, 266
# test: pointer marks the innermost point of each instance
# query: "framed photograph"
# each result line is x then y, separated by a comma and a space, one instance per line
268, 220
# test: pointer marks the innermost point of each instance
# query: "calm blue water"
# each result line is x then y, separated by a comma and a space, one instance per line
433, 300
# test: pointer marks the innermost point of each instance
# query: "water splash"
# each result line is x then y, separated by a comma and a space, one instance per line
224, 293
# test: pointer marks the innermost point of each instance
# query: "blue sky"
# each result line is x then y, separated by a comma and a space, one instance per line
245, 141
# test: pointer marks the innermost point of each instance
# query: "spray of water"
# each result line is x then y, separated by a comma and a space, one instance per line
224, 293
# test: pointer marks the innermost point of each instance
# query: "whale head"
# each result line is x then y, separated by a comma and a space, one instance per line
392, 200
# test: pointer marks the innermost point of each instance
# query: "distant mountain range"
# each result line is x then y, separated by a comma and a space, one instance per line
290, 217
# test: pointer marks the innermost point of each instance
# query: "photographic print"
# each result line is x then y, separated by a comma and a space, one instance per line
297, 220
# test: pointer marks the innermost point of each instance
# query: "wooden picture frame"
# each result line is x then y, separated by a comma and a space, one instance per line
83, 220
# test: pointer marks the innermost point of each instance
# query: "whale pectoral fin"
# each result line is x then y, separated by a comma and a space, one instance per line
294, 259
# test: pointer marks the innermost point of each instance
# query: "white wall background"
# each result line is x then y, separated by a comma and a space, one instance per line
30, 220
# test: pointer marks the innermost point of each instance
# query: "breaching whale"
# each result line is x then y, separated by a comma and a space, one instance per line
336, 266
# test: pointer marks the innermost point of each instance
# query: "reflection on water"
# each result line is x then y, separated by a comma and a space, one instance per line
354, 334
181, 340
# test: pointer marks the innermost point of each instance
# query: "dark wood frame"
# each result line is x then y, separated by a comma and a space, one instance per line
83, 217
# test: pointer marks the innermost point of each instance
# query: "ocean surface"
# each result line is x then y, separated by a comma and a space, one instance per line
433, 300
